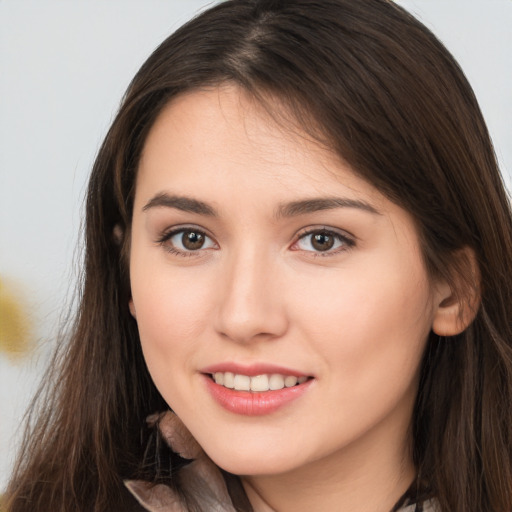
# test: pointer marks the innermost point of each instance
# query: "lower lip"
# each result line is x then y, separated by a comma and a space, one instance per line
254, 403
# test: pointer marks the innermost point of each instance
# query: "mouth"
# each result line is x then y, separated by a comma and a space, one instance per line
256, 394
257, 383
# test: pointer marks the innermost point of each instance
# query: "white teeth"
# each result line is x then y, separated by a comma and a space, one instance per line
276, 381
229, 380
242, 383
259, 383
290, 381
264, 382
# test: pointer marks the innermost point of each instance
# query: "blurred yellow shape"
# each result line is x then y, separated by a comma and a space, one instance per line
14, 323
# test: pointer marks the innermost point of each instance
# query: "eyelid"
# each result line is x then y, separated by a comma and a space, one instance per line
167, 234
349, 240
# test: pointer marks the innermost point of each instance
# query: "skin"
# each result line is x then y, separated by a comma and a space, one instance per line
355, 317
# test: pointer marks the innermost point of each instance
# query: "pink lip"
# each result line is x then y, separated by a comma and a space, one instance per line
253, 403
250, 403
252, 369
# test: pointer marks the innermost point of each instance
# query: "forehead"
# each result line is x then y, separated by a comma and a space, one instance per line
223, 135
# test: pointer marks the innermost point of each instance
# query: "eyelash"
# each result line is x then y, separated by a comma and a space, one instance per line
346, 241
168, 235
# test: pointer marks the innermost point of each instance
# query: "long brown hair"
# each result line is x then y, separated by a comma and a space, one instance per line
373, 84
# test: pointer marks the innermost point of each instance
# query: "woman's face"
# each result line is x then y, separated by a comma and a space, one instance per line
259, 259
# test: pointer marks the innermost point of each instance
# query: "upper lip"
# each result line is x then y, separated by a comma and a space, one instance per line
252, 369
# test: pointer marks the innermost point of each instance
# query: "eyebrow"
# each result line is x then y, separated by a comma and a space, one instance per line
296, 208
291, 209
185, 204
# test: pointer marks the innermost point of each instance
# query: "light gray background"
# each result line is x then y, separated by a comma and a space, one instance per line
64, 66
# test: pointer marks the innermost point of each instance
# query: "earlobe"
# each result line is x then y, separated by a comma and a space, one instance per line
456, 309
452, 319
132, 308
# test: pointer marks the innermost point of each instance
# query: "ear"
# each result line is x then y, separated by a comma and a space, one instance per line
131, 305
457, 307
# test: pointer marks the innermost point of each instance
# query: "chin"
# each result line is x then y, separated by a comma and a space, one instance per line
262, 461
257, 466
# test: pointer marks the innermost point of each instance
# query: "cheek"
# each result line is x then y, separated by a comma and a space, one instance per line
371, 336
370, 322
171, 318
172, 311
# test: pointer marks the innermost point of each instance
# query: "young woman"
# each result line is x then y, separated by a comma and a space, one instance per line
299, 243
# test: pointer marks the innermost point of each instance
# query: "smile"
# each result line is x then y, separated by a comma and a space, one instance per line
255, 395
257, 383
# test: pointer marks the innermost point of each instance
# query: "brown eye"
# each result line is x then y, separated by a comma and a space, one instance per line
187, 240
322, 241
192, 240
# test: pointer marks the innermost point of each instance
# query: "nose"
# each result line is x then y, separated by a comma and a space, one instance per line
251, 303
